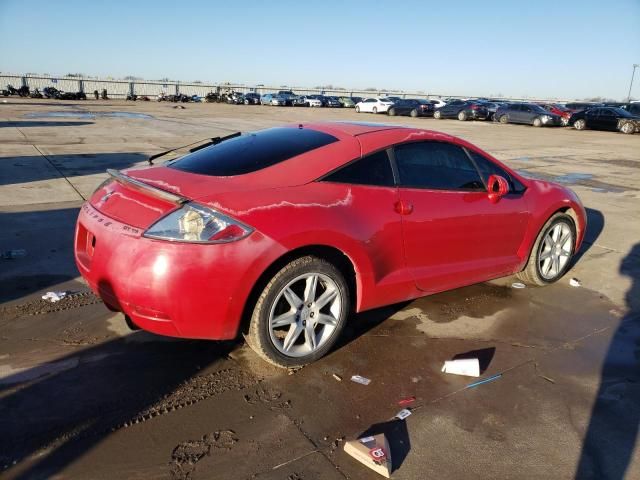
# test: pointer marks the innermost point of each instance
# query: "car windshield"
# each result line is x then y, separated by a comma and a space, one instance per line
385, 99
253, 151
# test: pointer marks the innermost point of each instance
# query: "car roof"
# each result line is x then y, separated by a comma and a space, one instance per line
352, 129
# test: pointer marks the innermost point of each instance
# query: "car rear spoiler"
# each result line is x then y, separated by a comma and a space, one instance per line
136, 184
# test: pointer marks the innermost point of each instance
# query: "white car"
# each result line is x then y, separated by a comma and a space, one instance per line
437, 103
374, 105
312, 102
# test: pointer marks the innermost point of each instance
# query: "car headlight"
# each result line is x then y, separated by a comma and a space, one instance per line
547, 118
195, 223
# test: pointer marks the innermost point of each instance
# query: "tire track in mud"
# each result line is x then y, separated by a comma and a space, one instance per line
186, 455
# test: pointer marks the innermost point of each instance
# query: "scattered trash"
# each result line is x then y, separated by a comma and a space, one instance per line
54, 297
337, 377
373, 452
11, 254
402, 414
574, 282
181, 107
407, 401
486, 380
518, 285
548, 379
463, 366
360, 380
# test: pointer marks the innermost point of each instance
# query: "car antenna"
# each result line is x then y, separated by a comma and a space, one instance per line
210, 141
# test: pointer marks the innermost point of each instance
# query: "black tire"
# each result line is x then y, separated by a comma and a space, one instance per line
531, 274
537, 122
259, 337
414, 113
357, 109
504, 119
374, 110
391, 112
437, 115
580, 124
462, 116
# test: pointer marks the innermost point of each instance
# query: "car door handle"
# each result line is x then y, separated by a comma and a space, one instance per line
403, 208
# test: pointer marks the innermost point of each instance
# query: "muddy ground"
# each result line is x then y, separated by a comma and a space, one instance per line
81, 396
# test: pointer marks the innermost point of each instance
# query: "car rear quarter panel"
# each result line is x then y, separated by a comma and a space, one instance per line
358, 220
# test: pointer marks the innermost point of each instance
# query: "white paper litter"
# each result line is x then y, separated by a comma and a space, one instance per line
518, 285
54, 297
574, 282
360, 380
469, 367
402, 414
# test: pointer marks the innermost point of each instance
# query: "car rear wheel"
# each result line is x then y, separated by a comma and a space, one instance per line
564, 121
300, 313
462, 116
391, 112
437, 115
628, 128
246, 102
414, 113
537, 122
551, 254
580, 124
357, 109
375, 110
504, 119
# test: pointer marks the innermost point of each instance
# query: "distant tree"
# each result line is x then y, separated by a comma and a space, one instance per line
131, 77
74, 75
370, 89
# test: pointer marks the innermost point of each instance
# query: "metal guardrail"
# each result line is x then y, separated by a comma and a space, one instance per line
121, 88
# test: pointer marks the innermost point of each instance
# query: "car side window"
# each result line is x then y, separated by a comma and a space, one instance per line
436, 165
370, 100
374, 169
488, 168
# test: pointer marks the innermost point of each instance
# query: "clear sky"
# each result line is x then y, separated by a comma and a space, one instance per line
559, 48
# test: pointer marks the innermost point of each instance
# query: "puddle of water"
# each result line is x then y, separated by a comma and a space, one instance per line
89, 115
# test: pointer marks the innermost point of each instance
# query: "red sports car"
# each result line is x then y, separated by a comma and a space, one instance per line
564, 112
282, 233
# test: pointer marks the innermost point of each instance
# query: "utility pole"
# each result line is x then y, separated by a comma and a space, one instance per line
635, 65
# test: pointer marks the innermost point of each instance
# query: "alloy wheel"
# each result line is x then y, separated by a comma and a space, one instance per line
555, 251
305, 314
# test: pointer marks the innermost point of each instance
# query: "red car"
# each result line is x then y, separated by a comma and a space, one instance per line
282, 233
561, 110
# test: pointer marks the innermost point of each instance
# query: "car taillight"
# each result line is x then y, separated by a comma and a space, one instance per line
474, 107
196, 223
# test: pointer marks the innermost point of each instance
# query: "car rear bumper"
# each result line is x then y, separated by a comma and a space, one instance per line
168, 288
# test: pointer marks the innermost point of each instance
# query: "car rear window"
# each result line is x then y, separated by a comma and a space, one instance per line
253, 151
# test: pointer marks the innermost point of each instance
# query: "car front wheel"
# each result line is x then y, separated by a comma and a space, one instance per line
300, 313
462, 116
357, 109
504, 119
391, 112
537, 122
580, 124
414, 113
551, 254
375, 110
437, 115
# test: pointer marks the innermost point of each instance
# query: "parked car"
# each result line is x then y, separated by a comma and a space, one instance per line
289, 96
492, 108
606, 118
272, 99
557, 109
462, 110
437, 103
412, 107
329, 101
374, 105
273, 224
527, 113
356, 100
234, 98
251, 98
309, 101
347, 102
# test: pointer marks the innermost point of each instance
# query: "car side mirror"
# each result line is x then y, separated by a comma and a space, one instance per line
498, 187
